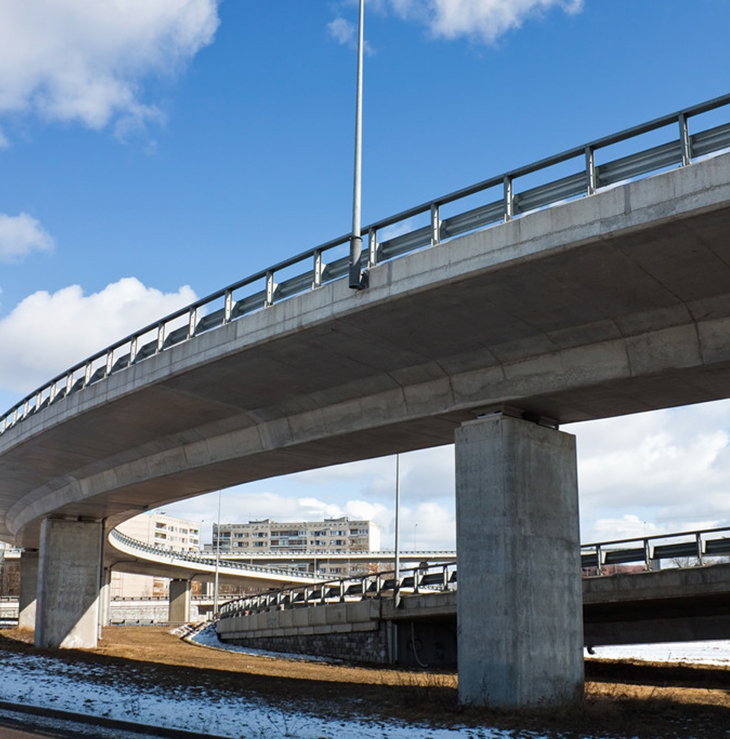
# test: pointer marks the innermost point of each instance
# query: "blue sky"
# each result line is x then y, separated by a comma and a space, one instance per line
150, 153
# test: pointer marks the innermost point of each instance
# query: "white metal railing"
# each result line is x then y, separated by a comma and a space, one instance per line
434, 578
486, 203
694, 546
156, 553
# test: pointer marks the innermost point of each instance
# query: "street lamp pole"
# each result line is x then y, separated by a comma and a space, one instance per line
358, 280
217, 557
396, 574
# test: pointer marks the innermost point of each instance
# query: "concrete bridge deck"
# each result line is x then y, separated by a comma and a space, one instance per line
608, 305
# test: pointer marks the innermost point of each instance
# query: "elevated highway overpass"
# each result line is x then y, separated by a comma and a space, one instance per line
613, 300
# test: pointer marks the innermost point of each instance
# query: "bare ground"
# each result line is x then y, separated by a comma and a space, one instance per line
622, 699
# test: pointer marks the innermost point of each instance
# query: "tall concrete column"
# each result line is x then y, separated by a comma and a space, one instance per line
180, 601
520, 619
105, 599
28, 588
68, 584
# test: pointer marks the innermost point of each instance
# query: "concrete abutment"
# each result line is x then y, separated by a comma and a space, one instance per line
519, 614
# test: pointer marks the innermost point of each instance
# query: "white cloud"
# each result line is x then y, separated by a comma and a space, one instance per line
20, 235
483, 20
660, 472
345, 33
80, 61
48, 332
341, 31
4, 141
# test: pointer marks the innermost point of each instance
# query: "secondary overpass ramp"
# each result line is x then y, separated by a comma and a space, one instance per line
614, 300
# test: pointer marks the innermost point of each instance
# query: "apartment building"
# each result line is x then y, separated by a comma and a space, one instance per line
319, 538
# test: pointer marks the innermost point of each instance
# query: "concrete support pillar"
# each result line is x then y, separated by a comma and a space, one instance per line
105, 599
28, 588
180, 601
68, 584
520, 619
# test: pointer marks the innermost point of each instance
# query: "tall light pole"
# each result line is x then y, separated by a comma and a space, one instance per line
396, 574
217, 557
358, 280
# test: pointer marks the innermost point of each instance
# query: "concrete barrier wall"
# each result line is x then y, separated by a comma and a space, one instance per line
352, 630
417, 634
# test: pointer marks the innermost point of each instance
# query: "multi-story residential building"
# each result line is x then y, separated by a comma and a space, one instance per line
333, 535
159, 530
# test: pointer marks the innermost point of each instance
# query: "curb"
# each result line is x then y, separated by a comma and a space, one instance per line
107, 723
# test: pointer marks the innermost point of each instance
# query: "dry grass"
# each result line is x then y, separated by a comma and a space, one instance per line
621, 699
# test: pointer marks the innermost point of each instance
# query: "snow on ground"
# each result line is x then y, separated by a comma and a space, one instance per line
696, 653
208, 637
51, 683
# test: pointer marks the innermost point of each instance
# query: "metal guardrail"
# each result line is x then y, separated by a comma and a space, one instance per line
231, 554
172, 554
694, 545
329, 261
433, 578
648, 550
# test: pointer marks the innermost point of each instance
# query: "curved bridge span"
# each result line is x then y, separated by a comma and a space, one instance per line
602, 305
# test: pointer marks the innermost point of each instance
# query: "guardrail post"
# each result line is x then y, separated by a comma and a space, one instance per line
161, 336
647, 555
109, 363
700, 557
270, 289
599, 557
228, 306
372, 247
591, 181
318, 269
69, 382
132, 350
87, 373
192, 322
509, 202
684, 140
435, 225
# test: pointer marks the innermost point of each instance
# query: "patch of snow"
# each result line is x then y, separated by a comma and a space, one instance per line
51, 683
208, 637
697, 653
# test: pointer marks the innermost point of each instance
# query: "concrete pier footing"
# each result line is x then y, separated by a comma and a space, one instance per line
69, 573
28, 588
520, 629
180, 601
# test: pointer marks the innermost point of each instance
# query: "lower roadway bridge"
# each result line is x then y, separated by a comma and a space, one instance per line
627, 599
